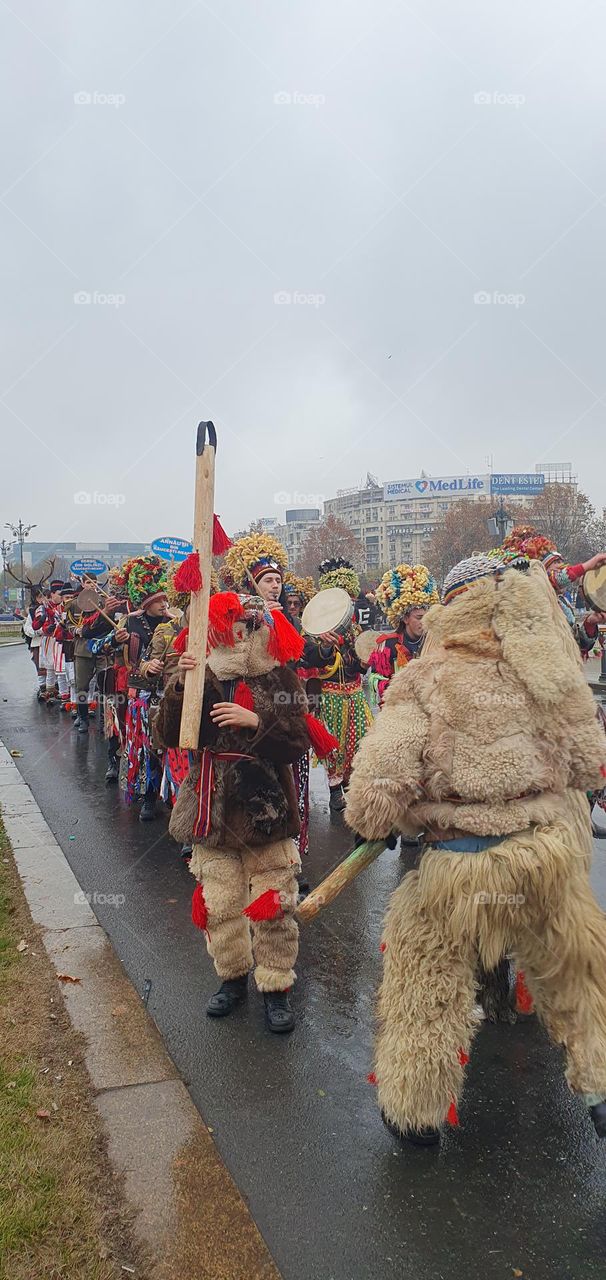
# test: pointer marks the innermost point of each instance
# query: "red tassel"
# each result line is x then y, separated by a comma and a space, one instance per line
244, 696
463, 1057
268, 906
383, 948
180, 642
188, 576
524, 1001
603, 770
321, 740
453, 1115
221, 542
285, 643
371, 1077
199, 913
224, 610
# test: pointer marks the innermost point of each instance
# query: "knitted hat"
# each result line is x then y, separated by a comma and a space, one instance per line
337, 572
466, 572
255, 554
144, 578
404, 588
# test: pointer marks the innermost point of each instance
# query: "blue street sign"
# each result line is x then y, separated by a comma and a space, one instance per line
171, 548
87, 564
530, 483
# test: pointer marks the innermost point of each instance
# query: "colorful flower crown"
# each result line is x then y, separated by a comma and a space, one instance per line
338, 572
404, 588
247, 552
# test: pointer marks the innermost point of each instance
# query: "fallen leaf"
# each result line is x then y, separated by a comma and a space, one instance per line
53, 1016
70, 1062
171, 900
12, 1084
67, 977
321, 1093
43, 1115
131, 1270
15, 753
22, 946
517, 1272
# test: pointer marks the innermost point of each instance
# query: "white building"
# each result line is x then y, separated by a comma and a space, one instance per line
293, 532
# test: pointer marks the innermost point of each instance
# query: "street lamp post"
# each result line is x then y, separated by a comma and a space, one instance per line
500, 523
5, 548
20, 532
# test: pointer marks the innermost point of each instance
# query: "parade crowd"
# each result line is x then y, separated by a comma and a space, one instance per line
457, 718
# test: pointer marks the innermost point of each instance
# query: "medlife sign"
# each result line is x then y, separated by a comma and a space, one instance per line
436, 487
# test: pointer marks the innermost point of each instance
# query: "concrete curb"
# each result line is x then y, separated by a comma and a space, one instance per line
190, 1215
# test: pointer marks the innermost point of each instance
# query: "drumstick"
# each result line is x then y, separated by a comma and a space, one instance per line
270, 905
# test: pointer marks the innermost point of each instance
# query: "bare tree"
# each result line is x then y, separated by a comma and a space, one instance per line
463, 531
564, 514
331, 537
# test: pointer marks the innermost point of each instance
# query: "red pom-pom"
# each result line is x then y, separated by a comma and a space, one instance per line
244, 696
321, 740
603, 770
221, 542
188, 576
285, 643
199, 912
383, 948
453, 1115
524, 1002
268, 906
180, 642
224, 610
463, 1057
371, 1077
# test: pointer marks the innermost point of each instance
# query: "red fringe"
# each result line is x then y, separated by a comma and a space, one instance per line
285, 643
199, 913
188, 576
463, 1057
268, 906
321, 740
453, 1115
180, 641
221, 542
244, 696
383, 948
524, 1001
371, 1077
224, 610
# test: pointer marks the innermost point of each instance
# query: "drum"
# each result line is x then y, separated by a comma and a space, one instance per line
366, 643
330, 610
87, 601
594, 588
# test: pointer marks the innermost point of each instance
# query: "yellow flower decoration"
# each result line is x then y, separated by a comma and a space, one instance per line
406, 587
247, 552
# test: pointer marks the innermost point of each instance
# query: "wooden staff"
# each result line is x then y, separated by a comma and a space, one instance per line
352, 865
198, 610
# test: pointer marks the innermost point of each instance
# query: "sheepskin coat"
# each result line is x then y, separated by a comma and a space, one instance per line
254, 801
489, 728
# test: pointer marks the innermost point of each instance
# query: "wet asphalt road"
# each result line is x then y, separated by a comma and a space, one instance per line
519, 1188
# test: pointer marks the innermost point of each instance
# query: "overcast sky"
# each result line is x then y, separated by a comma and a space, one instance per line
376, 163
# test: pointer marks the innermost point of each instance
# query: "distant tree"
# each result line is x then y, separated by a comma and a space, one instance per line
463, 531
331, 537
597, 533
566, 515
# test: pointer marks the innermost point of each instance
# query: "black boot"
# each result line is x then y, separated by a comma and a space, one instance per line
112, 773
278, 1013
82, 722
418, 1137
337, 798
231, 993
148, 808
598, 1115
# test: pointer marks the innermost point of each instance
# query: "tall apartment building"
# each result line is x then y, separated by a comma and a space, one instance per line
293, 532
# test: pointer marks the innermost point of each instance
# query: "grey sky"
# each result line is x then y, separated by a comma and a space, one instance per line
380, 198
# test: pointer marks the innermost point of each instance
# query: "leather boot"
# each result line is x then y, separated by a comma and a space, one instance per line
417, 1137
231, 993
337, 798
279, 1016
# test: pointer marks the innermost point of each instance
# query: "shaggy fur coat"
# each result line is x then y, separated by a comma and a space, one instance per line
489, 729
254, 801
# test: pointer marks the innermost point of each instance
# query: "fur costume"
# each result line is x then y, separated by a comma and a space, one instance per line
491, 734
249, 845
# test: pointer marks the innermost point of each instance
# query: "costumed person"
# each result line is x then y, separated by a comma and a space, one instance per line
295, 594
145, 582
45, 620
33, 640
565, 579
404, 595
258, 562
238, 805
332, 666
487, 745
